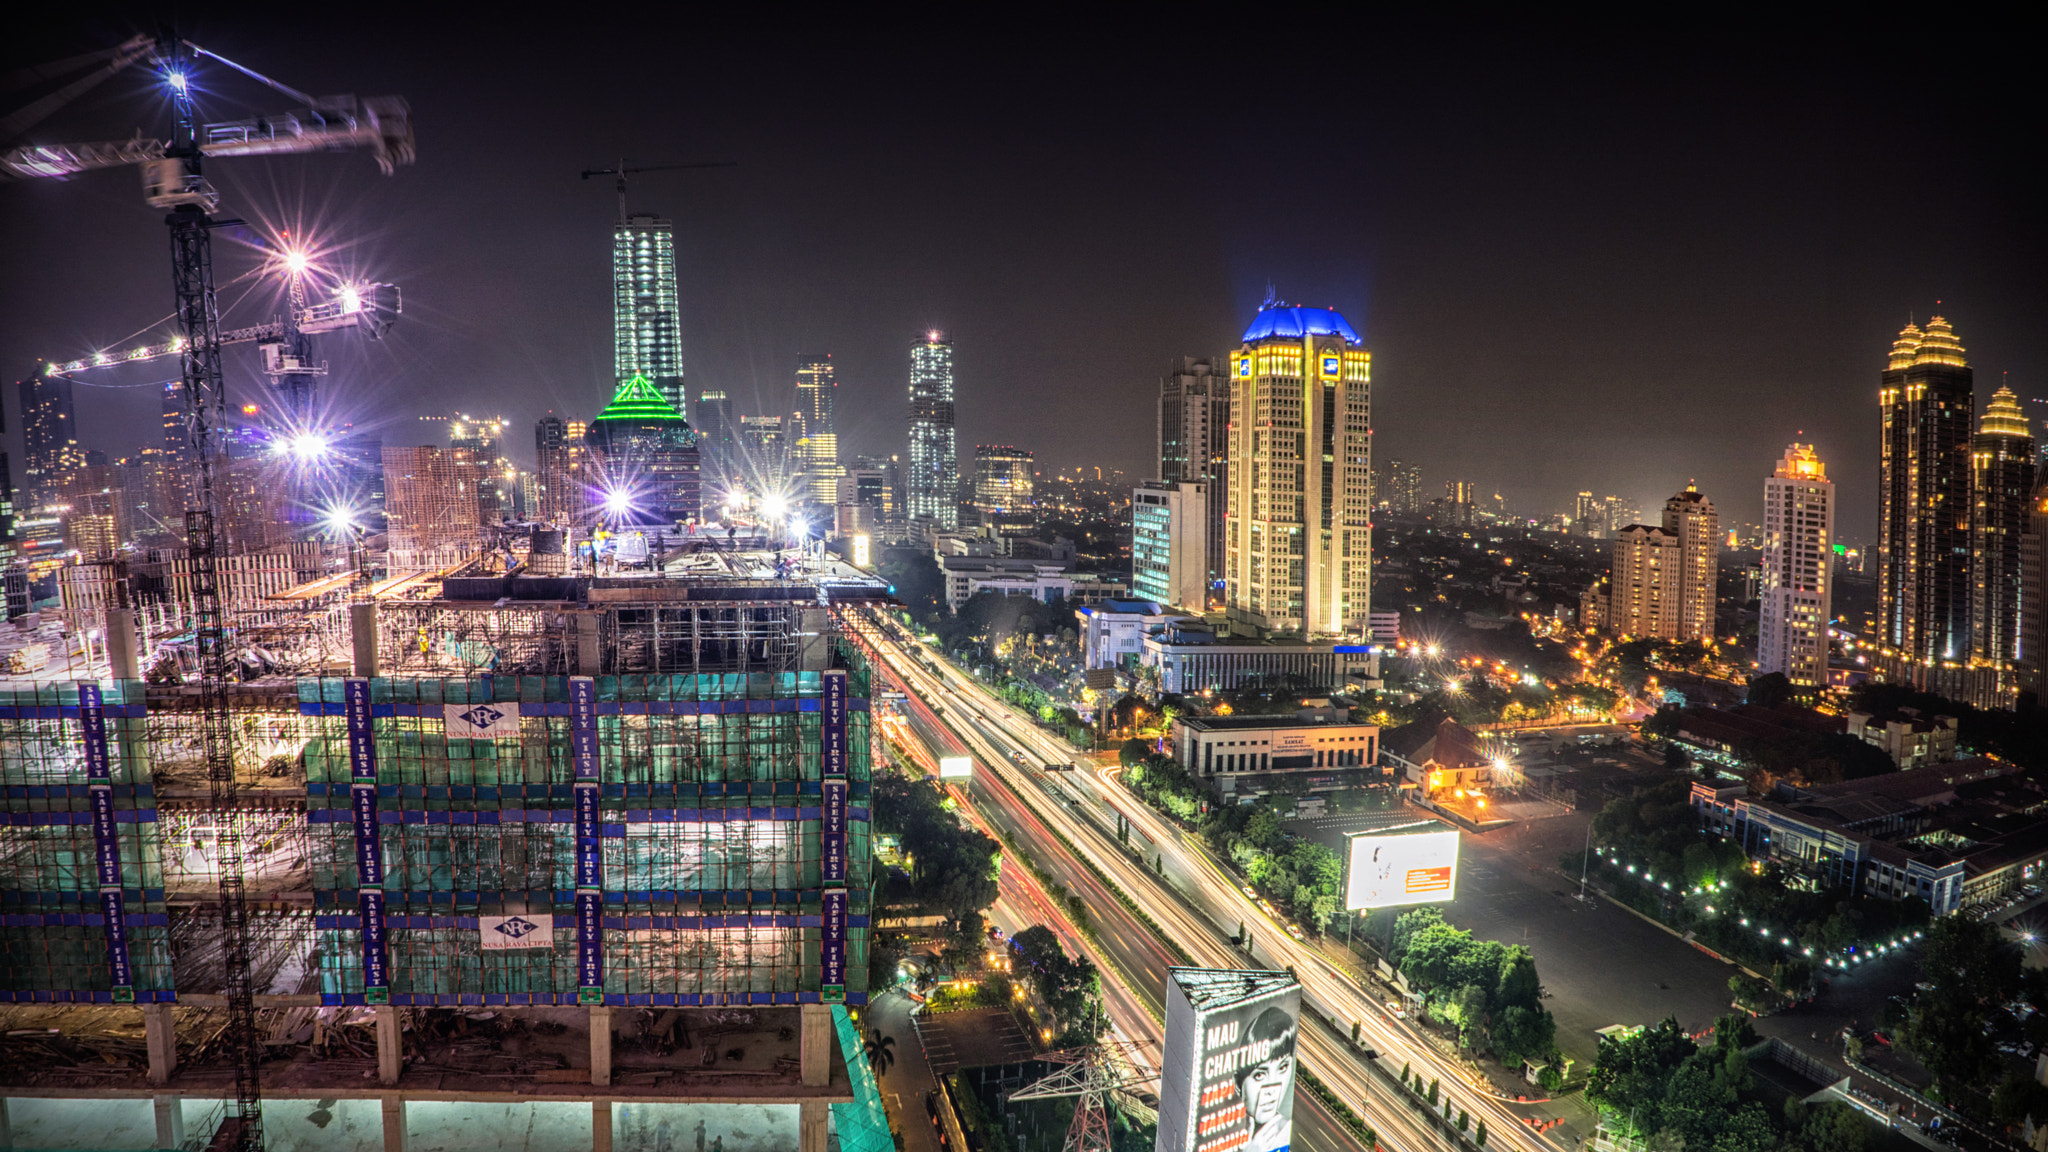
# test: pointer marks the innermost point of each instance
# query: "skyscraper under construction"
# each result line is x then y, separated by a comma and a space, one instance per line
562, 849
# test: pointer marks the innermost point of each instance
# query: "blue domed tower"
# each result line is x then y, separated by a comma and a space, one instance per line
1298, 532
643, 459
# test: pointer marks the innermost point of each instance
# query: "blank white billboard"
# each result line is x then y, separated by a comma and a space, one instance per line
1390, 871
956, 767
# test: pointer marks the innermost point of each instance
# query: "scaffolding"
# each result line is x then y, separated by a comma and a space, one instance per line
712, 880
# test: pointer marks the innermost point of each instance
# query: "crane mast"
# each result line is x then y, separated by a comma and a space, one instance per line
173, 180
191, 231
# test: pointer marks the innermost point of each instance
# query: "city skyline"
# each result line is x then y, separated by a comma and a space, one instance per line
488, 319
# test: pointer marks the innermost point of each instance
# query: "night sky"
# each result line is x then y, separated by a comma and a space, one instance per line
1603, 258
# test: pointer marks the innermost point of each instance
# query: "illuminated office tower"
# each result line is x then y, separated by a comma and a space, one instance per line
49, 438
1690, 517
934, 480
1194, 429
2002, 472
1798, 581
1298, 519
2033, 647
1923, 547
814, 443
646, 327
1004, 486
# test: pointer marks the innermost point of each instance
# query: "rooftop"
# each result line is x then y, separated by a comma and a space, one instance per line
637, 399
1292, 322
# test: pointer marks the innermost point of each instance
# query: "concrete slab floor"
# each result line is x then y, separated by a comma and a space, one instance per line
82, 1124
695, 1127
110, 1125
459, 1126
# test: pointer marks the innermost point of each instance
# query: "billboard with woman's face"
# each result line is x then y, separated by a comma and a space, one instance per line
1227, 1077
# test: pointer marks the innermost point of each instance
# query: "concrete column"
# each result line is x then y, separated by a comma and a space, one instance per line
814, 1051
120, 630
600, 1046
170, 1120
6, 1129
160, 1037
362, 626
812, 1122
396, 1139
600, 1126
390, 1046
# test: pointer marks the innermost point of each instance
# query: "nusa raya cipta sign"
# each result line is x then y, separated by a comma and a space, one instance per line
481, 721
503, 933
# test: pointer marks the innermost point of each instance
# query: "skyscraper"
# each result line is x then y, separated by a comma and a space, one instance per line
1923, 547
1194, 428
646, 326
815, 447
1690, 517
643, 458
561, 465
1399, 488
1004, 487
1643, 598
1798, 580
1298, 547
2033, 649
2002, 472
433, 513
713, 421
933, 482
49, 436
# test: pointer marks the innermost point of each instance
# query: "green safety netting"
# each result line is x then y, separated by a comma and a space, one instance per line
862, 1126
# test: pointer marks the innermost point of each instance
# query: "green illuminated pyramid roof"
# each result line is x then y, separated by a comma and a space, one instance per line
636, 399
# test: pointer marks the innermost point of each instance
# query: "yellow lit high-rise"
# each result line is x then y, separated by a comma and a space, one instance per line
1298, 534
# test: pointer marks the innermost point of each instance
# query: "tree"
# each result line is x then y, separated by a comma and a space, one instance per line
1433, 1084
1479, 1137
1826, 1127
1769, 690
1521, 1034
881, 1051
1747, 1129
1630, 1074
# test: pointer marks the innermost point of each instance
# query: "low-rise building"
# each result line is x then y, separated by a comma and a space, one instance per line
1113, 632
1220, 749
1192, 658
1953, 834
1440, 756
1911, 738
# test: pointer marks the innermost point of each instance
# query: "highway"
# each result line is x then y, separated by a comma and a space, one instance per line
991, 731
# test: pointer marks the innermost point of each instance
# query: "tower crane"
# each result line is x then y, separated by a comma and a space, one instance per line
172, 180
622, 172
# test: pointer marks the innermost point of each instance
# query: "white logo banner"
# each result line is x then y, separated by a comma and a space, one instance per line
505, 932
482, 721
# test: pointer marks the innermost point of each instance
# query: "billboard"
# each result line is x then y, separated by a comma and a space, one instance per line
956, 767
1226, 1078
1387, 871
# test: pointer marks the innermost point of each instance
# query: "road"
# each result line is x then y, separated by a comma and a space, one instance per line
1063, 802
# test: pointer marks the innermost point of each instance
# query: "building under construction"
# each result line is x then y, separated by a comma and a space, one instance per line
584, 854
